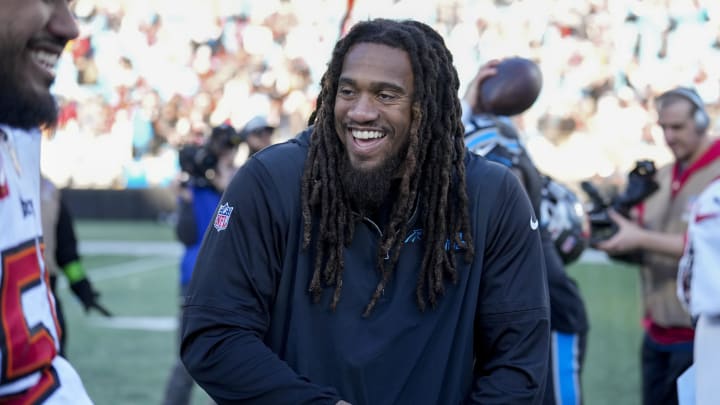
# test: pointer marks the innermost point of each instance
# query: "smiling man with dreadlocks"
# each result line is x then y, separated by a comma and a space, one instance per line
373, 260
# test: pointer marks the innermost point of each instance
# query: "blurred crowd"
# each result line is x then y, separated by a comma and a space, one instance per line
148, 76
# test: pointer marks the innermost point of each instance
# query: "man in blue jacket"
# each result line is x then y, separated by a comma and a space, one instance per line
375, 261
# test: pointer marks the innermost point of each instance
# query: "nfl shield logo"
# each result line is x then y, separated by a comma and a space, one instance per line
223, 217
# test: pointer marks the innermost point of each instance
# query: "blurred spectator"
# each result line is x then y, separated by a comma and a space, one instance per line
257, 133
241, 59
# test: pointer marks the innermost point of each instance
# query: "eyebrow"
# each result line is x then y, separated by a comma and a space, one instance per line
375, 85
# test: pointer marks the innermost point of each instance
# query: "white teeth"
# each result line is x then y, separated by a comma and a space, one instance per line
46, 59
367, 134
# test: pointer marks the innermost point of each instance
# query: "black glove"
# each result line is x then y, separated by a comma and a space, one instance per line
85, 293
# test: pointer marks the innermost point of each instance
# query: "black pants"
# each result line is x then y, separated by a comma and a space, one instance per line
661, 366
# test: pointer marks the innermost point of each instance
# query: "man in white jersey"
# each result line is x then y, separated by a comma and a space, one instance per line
33, 33
699, 290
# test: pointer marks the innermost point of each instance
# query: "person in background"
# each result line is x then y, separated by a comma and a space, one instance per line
370, 260
61, 254
209, 168
496, 138
657, 232
33, 35
257, 133
699, 290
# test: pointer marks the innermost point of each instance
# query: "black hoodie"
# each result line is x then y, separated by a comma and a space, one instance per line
251, 333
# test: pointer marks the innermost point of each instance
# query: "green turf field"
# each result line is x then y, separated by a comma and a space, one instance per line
127, 360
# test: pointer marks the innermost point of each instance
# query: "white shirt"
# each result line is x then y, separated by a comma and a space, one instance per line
699, 269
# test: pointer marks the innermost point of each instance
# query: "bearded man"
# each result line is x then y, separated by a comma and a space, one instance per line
371, 260
33, 33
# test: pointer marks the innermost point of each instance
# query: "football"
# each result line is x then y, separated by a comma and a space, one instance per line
513, 89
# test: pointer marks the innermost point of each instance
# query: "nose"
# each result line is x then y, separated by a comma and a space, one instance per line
62, 23
363, 109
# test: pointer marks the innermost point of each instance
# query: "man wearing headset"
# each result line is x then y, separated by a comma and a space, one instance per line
658, 230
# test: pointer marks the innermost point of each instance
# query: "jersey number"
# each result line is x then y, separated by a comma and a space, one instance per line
29, 326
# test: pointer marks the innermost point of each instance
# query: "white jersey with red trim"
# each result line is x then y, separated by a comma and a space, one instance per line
699, 270
31, 372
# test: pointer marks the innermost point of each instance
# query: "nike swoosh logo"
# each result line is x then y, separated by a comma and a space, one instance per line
702, 217
533, 223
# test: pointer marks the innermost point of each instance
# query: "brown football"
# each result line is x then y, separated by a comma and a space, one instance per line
513, 89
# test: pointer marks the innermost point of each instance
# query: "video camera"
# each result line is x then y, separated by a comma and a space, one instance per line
641, 184
198, 162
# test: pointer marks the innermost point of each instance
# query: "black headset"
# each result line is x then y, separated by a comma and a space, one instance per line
701, 117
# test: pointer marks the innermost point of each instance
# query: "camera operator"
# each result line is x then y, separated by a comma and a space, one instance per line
657, 231
208, 170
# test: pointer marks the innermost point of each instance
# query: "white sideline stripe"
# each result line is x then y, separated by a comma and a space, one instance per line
127, 268
144, 323
121, 247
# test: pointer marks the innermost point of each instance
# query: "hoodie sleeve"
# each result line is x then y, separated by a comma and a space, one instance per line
512, 331
229, 303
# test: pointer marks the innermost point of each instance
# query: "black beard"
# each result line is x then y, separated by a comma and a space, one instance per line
368, 189
21, 113
18, 106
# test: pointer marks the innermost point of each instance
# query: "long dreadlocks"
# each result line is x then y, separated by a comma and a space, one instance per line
433, 174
